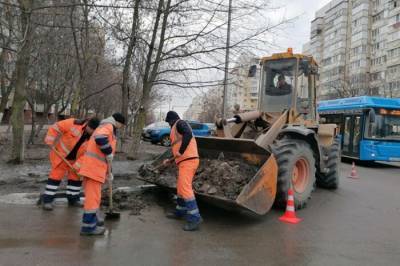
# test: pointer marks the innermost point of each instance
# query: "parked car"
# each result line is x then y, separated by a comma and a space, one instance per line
159, 133
146, 136
213, 128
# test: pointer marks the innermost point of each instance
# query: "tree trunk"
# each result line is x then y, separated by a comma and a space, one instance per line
33, 126
56, 107
150, 74
3, 105
43, 121
140, 120
22, 64
128, 60
5, 89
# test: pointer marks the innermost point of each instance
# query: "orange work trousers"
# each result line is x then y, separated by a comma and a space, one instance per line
92, 190
62, 170
186, 171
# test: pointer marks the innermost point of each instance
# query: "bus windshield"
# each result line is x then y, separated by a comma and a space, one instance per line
386, 125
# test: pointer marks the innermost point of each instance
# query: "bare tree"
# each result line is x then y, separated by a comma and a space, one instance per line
22, 66
7, 52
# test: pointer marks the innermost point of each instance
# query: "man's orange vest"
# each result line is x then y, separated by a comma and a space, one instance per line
63, 135
79, 156
176, 141
93, 164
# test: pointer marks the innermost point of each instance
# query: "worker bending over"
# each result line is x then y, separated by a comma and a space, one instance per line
184, 150
67, 138
96, 164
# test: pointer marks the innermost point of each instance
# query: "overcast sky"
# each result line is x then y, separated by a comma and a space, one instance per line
298, 32
295, 35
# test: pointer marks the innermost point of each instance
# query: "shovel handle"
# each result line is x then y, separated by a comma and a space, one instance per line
162, 165
110, 188
65, 161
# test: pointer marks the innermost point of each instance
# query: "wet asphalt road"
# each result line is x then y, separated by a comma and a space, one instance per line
358, 224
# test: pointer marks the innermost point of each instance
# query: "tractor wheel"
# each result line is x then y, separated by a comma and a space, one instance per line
330, 179
296, 167
165, 141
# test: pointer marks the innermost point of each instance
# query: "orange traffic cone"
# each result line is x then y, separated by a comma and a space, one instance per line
353, 173
290, 214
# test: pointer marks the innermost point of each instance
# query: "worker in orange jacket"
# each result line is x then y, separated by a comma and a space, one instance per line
184, 150
68, 137
96, 164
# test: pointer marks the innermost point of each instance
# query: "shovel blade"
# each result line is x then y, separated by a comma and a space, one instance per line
111, 215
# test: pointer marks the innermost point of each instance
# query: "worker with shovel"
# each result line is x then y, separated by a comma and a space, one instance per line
67, 139
96, 167
184, 150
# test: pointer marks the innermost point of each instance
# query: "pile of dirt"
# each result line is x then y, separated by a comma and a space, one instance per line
164, 176
123, 200
221, 177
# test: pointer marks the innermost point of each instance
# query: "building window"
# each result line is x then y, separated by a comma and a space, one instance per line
377, 17
378, 61
375, 33
378, 46
394, 52
376, 3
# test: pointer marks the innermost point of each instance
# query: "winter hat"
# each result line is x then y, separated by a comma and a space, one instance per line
171, 117
119, 118
93, 123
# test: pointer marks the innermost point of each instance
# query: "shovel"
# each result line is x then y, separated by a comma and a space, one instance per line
66, 162
148, 169
111, 214
61, 195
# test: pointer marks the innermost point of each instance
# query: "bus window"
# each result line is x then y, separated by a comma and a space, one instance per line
356, 137
386, 126
346, 133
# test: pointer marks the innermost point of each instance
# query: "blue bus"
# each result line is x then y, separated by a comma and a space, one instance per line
369, 126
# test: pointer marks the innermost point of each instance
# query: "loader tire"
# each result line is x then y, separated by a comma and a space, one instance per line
330, 179
296, 166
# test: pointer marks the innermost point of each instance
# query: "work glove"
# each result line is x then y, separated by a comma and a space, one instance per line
109, 158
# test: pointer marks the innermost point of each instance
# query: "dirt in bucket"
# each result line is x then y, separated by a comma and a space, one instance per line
220, 177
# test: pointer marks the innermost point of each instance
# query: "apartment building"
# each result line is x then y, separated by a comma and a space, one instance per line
195, 108
243, 84
357, 46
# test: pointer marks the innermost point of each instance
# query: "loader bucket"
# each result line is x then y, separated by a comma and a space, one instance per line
258, 195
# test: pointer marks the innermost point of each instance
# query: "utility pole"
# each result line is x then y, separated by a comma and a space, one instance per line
228, 40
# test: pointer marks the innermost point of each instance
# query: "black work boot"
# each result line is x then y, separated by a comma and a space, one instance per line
192, 226
47, 206
96, 232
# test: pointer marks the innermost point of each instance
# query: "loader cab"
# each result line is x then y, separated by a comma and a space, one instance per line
288, 82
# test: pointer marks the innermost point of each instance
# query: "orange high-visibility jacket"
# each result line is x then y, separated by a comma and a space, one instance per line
63, 135
93, 163
176, 141
79, 156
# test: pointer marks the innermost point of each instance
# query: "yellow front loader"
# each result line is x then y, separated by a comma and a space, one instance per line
283, 139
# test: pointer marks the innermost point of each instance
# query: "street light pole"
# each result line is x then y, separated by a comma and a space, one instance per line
228, 40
